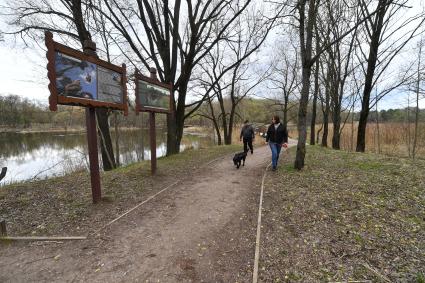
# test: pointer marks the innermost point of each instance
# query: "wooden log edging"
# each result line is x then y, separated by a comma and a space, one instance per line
42, 238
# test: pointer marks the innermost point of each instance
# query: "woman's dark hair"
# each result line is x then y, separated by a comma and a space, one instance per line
276, 119
246, 122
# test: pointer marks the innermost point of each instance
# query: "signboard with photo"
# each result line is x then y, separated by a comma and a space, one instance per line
78, 79
152, 95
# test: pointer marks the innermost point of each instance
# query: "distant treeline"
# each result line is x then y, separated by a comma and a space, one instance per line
17, 112
396, 115
261, 110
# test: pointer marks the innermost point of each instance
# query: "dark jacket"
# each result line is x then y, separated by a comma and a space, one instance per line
280, 135
247, 132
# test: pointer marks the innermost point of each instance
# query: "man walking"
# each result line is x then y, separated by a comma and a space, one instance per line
248, 135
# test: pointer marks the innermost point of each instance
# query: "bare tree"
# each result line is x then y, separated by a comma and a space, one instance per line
418, 83
415, 85
340, 55
306, 25
208, 111
285, 78
226, 70
306, 19
172, 43
378, 29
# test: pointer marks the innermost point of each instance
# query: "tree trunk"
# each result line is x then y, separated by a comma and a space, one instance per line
408, 126
326, 113
361, 129
352, 130
371, 65
172, 134
217, 130
306, 51
378, 135
325, 128
214, 120
336, 138
177, 113
105, 139
231, 121
415, 135
315, 94
302, 119
223, 117
285, 112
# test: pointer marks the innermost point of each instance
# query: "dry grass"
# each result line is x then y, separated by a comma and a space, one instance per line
345, 217
393, 138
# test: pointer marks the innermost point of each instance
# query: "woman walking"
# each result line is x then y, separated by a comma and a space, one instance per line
277, 136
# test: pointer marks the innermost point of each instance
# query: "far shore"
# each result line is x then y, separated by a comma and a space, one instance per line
36, 130
59, 130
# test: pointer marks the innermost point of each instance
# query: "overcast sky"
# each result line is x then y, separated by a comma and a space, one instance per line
23, 72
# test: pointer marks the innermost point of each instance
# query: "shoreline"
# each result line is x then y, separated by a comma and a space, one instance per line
195, 130
73, 130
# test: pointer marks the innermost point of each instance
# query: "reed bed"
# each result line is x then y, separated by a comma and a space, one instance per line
394, 139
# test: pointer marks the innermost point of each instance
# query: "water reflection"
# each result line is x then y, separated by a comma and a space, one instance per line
43, 155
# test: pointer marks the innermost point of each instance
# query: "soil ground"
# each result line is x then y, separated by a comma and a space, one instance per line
346, 217
200, 230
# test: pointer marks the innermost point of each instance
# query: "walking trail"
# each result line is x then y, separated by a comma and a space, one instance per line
202, 229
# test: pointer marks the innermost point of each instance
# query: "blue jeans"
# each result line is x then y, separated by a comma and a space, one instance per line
275, 147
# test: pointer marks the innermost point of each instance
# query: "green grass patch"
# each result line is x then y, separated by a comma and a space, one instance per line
369, 165
420, 278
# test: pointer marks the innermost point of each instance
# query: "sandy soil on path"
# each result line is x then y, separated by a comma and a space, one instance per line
201, 230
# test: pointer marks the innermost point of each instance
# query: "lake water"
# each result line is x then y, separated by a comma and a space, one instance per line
42, 155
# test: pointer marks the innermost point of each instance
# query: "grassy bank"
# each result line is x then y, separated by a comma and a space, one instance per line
63, 206
346, 216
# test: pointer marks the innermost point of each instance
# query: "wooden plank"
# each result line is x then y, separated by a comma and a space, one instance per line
35, 238
84, 57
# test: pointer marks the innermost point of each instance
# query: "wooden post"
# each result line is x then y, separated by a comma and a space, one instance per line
90, 49
3, 230
93, 154
152, 131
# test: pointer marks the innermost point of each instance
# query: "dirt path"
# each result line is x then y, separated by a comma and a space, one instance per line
201, 230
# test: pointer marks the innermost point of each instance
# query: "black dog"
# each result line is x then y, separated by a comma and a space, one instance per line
238, 158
